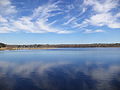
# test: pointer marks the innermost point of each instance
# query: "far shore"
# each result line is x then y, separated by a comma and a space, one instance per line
54, 46
1, 49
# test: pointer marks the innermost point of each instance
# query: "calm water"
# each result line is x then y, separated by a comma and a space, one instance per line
60, 69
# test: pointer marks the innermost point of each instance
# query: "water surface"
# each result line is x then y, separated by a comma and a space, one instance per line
60, 69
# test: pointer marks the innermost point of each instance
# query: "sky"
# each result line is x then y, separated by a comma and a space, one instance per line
59, 21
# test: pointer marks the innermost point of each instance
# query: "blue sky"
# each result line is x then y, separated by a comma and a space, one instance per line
59, 21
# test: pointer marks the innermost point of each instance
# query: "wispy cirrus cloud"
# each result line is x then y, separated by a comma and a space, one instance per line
102, 6
93, 31
103, 13
70, 20
60, 16
35, 23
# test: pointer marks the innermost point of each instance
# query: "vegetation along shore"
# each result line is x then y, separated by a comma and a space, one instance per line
49, 46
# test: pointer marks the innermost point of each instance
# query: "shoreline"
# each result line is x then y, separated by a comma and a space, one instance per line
2, 49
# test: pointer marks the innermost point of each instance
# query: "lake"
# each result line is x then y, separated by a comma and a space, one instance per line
60, 69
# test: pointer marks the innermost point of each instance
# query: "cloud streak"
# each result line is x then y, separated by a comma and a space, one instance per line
59, 17
103, 13
93, 31
35, 23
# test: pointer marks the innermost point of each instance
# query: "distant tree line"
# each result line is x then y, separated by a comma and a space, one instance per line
65, 45
2, 45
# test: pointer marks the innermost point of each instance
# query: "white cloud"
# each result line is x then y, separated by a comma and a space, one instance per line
35, 23
52, 23
81, 25
6, 7
4, 29
117, 15
39, 21
6, 10
69, 21
102, 15
93, 31
104, 19
101, 19
45, 11
3, 20
102, 6
114, 25
41, 16
99, 30
46, 28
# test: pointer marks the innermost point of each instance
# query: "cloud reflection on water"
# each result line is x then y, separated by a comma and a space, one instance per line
61, 75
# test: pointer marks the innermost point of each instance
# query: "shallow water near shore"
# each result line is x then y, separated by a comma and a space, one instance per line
60, 69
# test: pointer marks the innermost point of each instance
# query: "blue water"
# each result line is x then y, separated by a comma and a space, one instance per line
60, 69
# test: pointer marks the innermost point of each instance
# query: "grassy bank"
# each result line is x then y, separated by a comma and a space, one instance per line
23, 48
